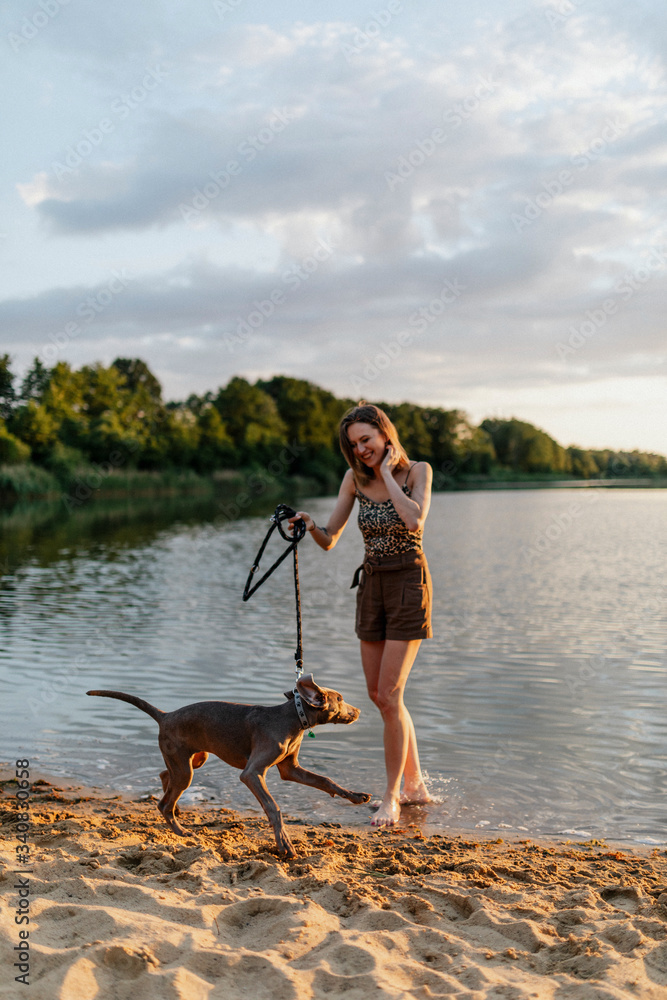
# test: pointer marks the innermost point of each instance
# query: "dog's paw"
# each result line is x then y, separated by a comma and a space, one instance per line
286, 849
177, 828
359, 797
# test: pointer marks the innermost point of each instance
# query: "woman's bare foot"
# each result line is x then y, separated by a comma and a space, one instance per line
415, 794
387, 814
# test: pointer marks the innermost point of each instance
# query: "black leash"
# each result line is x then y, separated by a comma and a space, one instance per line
281, 513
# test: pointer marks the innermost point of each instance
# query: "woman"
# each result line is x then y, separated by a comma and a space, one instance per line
394, 596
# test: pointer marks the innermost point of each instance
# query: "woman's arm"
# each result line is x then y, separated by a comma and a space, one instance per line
327, 537
412, 510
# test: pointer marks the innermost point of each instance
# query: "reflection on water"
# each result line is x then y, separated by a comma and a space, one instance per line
539, 706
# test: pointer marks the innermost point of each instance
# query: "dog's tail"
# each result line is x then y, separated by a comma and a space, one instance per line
155, 713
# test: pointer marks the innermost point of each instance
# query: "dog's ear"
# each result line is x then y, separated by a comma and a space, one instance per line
289, 695
310, 692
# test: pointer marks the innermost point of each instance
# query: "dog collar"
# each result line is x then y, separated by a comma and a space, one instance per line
303, 719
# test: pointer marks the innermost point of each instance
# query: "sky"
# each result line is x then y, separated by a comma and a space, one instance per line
461, 205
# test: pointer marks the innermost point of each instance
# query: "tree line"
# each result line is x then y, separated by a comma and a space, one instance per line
62, 419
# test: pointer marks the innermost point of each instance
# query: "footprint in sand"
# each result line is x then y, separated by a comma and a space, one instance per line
328, 983
656, 964
624, 938
623, 897
69, 926
269, 921
348, 960
383, 920
455, 907
128, 963
257, 977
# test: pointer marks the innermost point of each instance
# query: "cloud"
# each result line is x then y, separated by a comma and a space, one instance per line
332, 146
358, 309
526, 164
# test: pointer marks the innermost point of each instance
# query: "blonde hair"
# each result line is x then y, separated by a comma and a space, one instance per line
368, 413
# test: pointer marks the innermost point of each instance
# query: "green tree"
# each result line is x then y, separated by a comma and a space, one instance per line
37, 428
7, 390
12, 450
456, 446
525, 448
477, 454
413, 430
215, 449
110, 440
63, 398
309, 413
138, 378
630, 464
129, 418
447, 429
582, 463
195, 404
311, 416
251, 419
183, 434
35, 382
144, 409
103, 390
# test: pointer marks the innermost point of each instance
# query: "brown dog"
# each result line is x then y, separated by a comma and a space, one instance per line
250, 737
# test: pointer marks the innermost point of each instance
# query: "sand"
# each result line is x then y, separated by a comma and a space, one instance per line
121, 908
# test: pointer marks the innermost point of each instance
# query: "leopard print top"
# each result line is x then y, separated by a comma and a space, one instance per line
384, 532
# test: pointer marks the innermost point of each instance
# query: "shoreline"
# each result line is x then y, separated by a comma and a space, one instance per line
74, 791
413, 816
121, 906
178, 484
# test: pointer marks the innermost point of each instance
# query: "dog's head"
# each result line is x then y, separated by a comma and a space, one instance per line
328, 704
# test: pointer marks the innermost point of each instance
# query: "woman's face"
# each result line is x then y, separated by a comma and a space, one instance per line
368, 443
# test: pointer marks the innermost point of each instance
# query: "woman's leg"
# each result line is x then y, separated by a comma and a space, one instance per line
414, 787
387, 665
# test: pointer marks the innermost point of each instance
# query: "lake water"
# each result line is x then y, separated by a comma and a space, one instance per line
540, 705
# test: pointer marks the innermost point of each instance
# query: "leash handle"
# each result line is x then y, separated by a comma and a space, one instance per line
281, 513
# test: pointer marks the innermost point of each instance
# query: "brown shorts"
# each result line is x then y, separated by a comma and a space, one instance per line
394, 598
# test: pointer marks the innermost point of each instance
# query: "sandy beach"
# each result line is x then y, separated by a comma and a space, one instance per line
120, 907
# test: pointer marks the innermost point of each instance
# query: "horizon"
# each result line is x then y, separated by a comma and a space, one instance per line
462, 214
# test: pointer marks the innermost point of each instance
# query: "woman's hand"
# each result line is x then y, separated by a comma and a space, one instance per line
388, 462
301, 514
